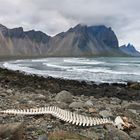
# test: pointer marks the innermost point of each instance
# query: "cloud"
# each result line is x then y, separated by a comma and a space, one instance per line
54, 16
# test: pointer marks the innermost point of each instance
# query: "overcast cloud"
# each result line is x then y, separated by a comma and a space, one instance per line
54, 16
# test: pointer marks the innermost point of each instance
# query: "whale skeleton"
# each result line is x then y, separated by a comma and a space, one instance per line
69, 117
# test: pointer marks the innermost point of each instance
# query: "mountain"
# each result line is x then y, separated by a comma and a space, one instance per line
130, 50
16, 42
80, 40
85, 41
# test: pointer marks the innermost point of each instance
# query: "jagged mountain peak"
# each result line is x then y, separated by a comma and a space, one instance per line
19, 33
2, 27
130, 50
38, 36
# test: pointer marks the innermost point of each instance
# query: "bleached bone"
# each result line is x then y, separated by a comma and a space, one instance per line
67, 116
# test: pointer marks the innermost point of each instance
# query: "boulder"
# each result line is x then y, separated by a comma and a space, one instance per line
64, 96
13, 131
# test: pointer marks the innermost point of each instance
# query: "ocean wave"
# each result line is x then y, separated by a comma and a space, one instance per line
104, 70
22, 68
56, 66
83, 61
39, 60
97, 70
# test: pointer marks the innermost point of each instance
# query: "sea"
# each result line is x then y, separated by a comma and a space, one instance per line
97, 69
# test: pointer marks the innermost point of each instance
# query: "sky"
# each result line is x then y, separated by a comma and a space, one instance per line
54, 16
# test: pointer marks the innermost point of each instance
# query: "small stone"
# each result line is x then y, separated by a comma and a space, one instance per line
23, 101
43, 137
133, 111
9, 91
124, 103
92, 110
3, 94
135, 106
40, 97
76, 105
105, 114
49, 126
88, 104
64, 96
115, 101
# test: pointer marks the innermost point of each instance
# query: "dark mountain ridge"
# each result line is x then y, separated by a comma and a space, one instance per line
80, 40
130, 50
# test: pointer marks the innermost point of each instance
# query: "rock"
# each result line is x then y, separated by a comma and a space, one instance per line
115, 101
105, 113
15, 131
62, 135
49, 126
23, 101
88, 104
92, 110
9, 91
3, 94
133, 111
64, 96
135, 106
39, 97
116, 134
63, 105
90, 134
135, 86
124, 103
135, 134
76, 105
43, 137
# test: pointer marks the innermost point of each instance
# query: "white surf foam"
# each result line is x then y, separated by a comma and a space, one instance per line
21, 68
83, 61
56, 66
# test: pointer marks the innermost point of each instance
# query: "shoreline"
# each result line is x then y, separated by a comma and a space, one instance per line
17, 79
